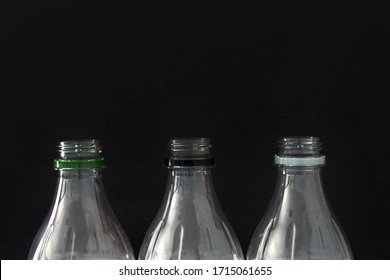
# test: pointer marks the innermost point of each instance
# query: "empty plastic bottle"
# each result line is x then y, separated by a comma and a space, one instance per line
298, 223
80, 224
190, 223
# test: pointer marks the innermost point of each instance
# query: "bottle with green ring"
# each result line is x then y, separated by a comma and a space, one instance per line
80, 223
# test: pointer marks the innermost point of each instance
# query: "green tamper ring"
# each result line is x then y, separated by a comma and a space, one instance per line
79, 163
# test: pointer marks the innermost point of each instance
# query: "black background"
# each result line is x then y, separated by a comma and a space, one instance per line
243, 73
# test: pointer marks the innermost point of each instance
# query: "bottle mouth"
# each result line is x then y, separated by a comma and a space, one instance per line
299, 151
79, 154
80, 149
189, 147
189, 153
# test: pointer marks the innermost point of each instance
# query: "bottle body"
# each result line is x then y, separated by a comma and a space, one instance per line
299, 223
190, 223
81, 223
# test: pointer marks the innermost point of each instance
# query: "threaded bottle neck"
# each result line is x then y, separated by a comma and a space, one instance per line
79, 154
299, 151
189, 153
80, 149
299, 146
189, 147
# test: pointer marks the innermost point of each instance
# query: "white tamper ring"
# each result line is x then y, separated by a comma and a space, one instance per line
303, 161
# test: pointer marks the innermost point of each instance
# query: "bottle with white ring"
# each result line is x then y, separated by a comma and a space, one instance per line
299, 223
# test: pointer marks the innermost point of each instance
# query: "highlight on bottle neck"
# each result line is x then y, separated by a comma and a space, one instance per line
189, 153
79, 154
299, 151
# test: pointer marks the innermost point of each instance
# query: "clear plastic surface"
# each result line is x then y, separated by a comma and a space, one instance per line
299, 223
190, 223
81, 223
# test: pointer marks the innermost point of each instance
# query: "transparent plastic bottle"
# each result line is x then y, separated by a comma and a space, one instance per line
298, 223
190, 223
81, 223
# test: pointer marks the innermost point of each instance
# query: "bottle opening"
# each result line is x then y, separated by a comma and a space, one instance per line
299, 151
299, 146
189, 147
80, 149
79, 154
189, 152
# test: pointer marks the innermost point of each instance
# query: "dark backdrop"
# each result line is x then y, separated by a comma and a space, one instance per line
243, 73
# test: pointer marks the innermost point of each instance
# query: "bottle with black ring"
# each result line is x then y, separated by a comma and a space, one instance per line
190, 223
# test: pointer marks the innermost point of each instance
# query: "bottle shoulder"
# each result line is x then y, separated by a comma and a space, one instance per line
81, 237
186, 240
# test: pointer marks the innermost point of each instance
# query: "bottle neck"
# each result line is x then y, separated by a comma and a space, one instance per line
80, 174
189, 190
190, 181
300, 176
299, 186
83, 186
